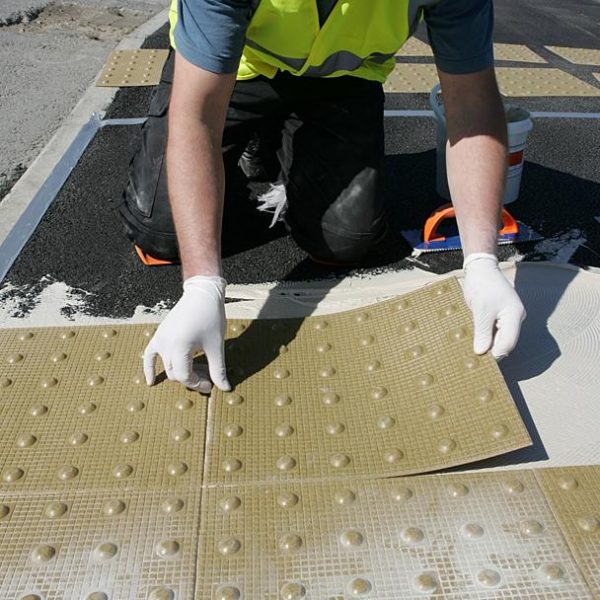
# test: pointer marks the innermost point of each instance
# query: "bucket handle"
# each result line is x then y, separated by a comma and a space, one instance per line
435, 102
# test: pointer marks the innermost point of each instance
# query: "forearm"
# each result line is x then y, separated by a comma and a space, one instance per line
196, 189
197, 112
476, 161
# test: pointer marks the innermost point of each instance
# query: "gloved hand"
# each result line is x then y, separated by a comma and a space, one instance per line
497, 309
196, 322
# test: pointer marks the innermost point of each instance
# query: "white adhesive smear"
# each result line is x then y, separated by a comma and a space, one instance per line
53, 303
58, 304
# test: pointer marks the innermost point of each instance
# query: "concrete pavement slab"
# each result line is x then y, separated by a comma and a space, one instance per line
49, 54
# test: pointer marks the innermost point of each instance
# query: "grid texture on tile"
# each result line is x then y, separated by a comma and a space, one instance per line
458, 537
77, 414
128, 68
126, 545
574, 497
100, 476
420, 78
578, 56
516, 53
388, 390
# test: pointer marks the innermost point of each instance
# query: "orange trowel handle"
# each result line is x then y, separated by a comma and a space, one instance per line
446, 211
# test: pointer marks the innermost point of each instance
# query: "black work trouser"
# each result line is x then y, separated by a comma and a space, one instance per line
331, 156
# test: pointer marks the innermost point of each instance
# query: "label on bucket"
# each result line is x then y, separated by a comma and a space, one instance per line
515, 158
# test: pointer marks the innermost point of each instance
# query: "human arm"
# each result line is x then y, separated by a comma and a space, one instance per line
476, 166
460, 32
197, 112
209, 36
195, 173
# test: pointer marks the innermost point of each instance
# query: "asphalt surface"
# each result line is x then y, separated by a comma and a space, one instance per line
80, 240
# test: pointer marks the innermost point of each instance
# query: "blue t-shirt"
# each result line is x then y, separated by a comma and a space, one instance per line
211, 33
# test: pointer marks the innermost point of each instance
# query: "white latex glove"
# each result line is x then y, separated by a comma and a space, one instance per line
196, 322
497, 309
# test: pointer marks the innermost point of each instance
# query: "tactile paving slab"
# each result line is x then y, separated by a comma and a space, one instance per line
98, 546
513, 81
574, 497
100, 475
78, 414
415, 47
129, 68
411, 78
468, 536
578, 56
102, 494
542, 82
516, 53
388, 390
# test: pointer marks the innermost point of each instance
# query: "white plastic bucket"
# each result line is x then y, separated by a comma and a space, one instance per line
519, 125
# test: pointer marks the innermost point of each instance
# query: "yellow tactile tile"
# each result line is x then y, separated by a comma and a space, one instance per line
542, 82
574, 497
510, 52
411, 78
578, 56
77, 414
517, 53
98, 546
127, 68
387, 390
415, 47
101, 477
471, 536
420, 78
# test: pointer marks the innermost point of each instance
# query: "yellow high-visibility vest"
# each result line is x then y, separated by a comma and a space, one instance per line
359, 38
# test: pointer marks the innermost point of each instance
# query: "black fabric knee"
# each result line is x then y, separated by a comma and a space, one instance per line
145, 209
349, 228
332, 166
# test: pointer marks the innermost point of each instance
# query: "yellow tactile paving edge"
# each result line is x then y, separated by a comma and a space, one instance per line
517, 53
77, 414
126, 68
420, 78
415, 47
574, 497
460, 537
510, 52
411, 78
389, 390
578, 56
98, 546
542, 82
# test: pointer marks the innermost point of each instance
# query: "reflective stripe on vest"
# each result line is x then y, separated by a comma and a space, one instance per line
360, 37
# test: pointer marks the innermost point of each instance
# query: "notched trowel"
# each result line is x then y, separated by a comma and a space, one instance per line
441, 232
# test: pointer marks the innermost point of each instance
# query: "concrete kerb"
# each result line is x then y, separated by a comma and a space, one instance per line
94, 101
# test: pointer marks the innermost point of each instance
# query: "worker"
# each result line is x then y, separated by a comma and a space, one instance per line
312, 72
